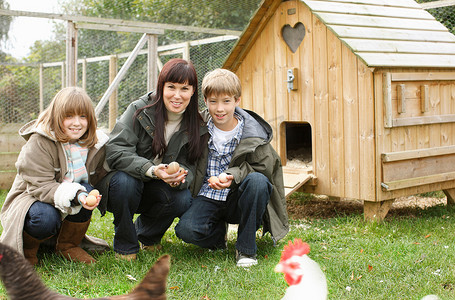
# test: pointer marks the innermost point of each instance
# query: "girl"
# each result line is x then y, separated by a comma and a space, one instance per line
59, 164
159, 128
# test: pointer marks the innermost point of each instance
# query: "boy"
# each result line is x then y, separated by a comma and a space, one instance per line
253, 195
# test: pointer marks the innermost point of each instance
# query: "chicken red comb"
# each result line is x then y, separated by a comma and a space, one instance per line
298, 248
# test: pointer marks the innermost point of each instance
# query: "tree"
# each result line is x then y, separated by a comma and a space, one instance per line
5, 22
445, 15
220, 14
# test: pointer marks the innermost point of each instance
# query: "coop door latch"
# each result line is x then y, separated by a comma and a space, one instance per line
291, 79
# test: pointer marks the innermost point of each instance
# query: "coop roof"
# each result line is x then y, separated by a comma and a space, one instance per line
382, 33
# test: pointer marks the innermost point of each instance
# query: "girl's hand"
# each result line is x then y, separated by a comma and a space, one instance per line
218, 185
172, 179
83, 200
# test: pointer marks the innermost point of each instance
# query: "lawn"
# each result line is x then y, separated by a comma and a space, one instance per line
407, 256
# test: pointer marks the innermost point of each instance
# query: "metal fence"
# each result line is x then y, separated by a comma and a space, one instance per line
20, 82
27, 86
96, 73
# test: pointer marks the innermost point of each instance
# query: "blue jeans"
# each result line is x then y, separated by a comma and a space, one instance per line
204, 223
43, 220
157, 203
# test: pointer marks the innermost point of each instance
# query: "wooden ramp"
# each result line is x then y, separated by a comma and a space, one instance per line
294, 178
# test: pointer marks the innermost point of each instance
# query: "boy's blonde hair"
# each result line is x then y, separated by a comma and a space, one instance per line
69, 101
219, 82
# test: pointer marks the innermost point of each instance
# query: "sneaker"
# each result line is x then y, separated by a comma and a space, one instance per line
127, 257
245, 260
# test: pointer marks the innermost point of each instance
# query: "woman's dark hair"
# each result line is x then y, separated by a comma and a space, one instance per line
181, 71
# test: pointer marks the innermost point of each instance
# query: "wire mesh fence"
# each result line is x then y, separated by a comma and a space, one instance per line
28, 85
20, 81
21, 102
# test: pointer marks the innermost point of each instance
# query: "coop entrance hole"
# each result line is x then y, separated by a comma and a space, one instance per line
298, 144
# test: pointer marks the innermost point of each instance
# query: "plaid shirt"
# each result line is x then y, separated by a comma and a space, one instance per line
218, 162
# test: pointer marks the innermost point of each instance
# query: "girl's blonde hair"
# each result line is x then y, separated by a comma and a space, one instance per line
70, 101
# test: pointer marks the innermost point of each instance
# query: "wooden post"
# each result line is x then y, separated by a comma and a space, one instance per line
120, 75
63, 74
186, 51
41, 88
424, 98
387, 92
282, 145
376, 211
71, 54
450, 193
401, 94
113, 100
84, 74
152, 56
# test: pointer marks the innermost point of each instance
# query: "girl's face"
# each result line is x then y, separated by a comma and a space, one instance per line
75, 126
177, 96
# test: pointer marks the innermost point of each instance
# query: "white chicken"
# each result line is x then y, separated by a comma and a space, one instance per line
304, 276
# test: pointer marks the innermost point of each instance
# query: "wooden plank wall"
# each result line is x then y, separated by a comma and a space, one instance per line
10, 145
334, 95
424, 139
335, 80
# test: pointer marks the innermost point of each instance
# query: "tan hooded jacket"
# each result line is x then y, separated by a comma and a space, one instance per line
41, 166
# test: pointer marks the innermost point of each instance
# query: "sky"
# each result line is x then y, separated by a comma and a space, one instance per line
24, 31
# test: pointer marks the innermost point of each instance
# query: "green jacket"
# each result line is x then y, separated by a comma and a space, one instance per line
129, 146
255, 154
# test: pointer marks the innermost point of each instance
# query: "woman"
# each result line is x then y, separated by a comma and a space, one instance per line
157, 129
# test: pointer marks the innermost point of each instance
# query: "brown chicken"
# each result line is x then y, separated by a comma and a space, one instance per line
22, 282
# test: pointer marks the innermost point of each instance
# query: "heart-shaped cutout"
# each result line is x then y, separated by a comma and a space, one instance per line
293, 36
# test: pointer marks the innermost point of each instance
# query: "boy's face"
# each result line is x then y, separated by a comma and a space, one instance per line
221, 108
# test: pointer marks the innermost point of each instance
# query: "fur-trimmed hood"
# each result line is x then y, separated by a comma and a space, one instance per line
41, 167
33, 127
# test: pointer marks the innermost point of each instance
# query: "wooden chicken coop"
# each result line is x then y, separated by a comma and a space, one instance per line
360, 94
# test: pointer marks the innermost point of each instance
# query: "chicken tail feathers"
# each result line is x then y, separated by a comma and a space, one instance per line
153, 286
19, 277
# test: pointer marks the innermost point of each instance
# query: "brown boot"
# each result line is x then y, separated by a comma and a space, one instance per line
31, 246
71, 235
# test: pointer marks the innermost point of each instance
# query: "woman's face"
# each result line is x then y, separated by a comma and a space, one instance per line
177, 96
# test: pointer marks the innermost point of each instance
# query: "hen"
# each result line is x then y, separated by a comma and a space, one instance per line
304, 276
21, 281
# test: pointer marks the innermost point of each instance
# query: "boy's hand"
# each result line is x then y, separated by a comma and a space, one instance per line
218, 185
172, 179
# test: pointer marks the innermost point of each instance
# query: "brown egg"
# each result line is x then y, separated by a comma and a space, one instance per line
213, 180
90, 200
94, 192
223, 177
172, 167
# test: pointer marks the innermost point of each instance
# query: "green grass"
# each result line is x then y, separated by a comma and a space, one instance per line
405, 257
